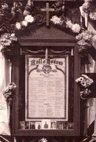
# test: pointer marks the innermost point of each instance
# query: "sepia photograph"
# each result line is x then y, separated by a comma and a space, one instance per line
32, 125
38, 125
46, 124
60, 125
53, 125
47, 70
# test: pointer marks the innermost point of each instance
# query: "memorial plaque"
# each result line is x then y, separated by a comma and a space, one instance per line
46, 88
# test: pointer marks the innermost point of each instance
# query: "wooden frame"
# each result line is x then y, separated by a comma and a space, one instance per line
16, 64
41, 0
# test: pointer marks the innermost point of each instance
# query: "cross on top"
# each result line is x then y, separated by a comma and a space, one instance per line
47, 10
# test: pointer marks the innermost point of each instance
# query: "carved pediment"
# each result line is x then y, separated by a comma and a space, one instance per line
44, 34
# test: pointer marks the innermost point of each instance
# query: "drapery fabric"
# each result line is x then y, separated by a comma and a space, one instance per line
90, 68
4, 79
84, 16
91, 103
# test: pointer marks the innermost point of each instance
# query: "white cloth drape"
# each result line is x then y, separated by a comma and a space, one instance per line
91, 103
4, 77
85, 16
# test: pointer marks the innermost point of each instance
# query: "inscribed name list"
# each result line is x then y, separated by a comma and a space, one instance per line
47, 88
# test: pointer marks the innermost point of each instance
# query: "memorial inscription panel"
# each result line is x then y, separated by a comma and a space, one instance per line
46, 89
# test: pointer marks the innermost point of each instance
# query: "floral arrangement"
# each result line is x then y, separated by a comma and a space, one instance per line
84, 94
90, 9
92, 15
27, 20
22, 17
27, 17
8, 91
56, 20
85, 40
74, 27
6, 39
85, 82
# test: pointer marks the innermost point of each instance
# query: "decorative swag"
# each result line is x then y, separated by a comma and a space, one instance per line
16, 17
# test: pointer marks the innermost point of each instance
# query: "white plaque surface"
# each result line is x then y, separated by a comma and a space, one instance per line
46, 88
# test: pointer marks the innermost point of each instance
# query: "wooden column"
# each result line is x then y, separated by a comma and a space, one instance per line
15, 79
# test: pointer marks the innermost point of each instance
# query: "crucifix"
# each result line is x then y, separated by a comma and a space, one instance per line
47, 10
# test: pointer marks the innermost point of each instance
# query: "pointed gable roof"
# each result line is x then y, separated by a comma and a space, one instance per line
44, 35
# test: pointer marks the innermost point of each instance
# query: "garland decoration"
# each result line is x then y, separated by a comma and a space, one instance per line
25, 16
59, 21
29, 11
27, 20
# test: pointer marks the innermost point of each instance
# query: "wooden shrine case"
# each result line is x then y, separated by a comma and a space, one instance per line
46, 101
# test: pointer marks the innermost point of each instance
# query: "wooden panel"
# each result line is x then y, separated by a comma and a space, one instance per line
15, 78
42, 38
25, 43
76, 92
43, 34
43, 0
51, 139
